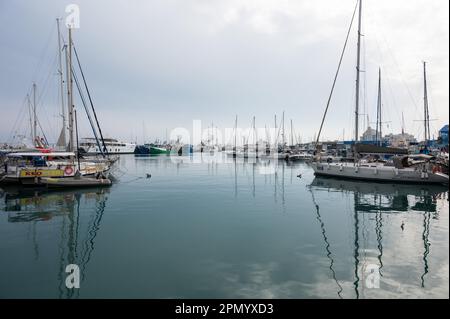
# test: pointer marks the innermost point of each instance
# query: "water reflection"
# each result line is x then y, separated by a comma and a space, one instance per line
376, 200
239, 229
77, 231
272, 171
327, 245
246, 172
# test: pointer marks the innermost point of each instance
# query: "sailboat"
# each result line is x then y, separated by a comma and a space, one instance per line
35, 166
233, 153
405, 168
250, 148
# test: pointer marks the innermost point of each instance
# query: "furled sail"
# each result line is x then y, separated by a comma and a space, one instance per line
61, 139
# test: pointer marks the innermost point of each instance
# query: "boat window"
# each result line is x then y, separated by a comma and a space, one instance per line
39, 161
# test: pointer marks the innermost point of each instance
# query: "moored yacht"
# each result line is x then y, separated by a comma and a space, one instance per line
369, 162
403, 170
113, 146
30, 168
302, 156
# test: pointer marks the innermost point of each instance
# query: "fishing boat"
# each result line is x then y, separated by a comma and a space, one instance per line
156, 150
402, 168
152, 149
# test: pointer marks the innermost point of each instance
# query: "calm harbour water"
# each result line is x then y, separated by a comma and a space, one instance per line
226, 230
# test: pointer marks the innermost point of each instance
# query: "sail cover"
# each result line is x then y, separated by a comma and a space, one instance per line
374, 149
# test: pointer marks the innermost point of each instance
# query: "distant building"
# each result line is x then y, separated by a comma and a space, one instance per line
399, 140
443, 135
369, 135
394, 140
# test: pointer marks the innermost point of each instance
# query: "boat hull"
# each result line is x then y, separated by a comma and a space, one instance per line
151, 150
75, 182
91, 148
300, 157
158, 151
378, 173
371, 188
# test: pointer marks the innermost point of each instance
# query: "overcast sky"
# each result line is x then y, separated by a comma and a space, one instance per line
161, 64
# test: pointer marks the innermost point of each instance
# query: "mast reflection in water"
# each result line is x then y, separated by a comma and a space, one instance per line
377, 204
77, 231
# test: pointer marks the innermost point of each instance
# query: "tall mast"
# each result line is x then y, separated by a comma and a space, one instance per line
70, 89
276, 133
235, 134
292, 135
403, 129
253, 133
403, 124
63, 111
284, 141
30, 110
358, 61
379, 135
425, 105
34, 114
217, 136
76, 127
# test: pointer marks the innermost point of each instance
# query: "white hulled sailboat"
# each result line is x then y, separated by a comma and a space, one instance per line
403, 169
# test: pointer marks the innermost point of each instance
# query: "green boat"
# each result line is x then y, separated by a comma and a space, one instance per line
151, 149
155, 150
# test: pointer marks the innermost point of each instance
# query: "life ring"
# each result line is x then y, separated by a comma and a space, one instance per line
437, 169
68, 170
